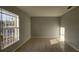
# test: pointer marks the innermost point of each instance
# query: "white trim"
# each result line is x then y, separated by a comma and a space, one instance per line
21, 44
73, 46
43, 37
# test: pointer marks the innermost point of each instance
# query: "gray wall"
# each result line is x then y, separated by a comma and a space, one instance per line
45, 27
25, 27
71, 23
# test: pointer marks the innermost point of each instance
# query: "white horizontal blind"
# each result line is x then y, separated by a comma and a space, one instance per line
9, 28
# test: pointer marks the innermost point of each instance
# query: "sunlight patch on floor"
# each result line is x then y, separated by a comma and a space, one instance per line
53, 41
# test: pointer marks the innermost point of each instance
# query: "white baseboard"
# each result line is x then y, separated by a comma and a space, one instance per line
73, 46
41, 37
21, 44
45, 37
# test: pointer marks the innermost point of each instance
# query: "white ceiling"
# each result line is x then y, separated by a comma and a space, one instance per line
42, 11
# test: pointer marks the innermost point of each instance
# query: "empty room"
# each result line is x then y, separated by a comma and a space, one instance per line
39, 28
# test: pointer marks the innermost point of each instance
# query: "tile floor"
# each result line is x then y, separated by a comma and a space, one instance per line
45, 45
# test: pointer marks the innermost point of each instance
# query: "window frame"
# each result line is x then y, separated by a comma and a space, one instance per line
15, 28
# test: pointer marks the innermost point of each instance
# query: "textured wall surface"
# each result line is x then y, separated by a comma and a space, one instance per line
45, 27
70, 21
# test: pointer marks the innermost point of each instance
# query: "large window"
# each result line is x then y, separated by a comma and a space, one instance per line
9, 28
